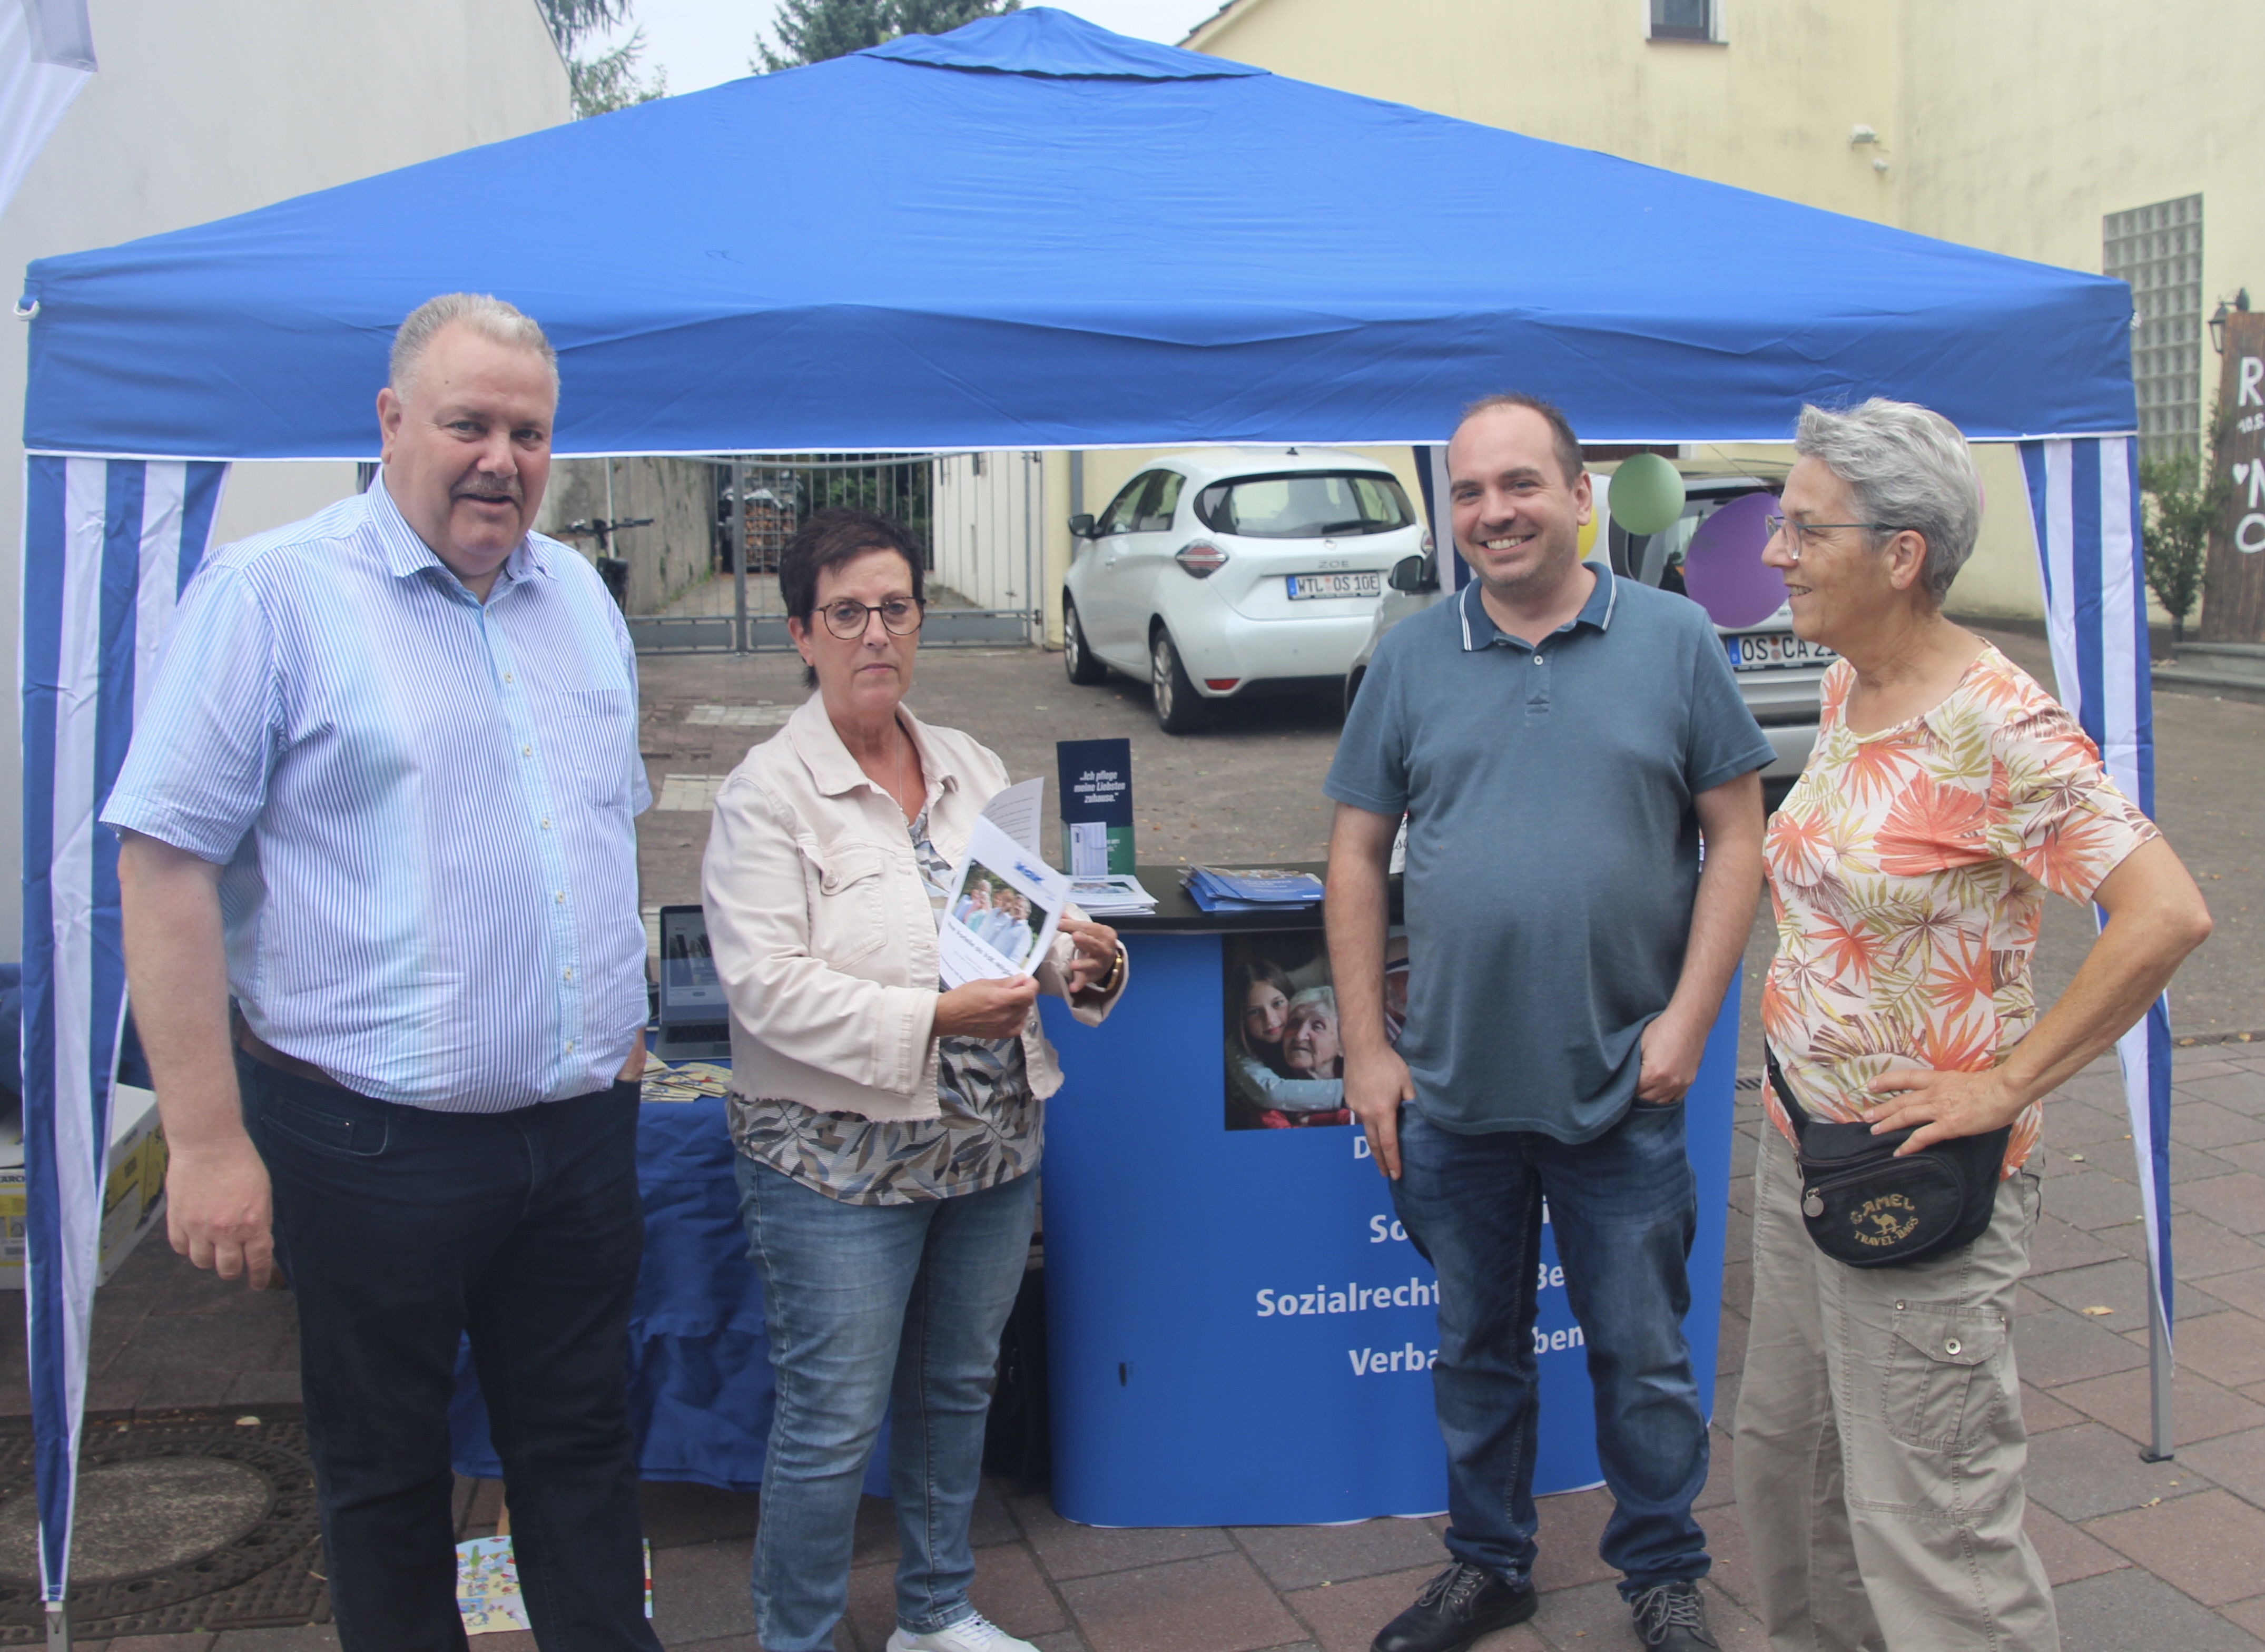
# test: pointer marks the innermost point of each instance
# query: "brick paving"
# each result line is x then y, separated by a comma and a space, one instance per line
2164, 1554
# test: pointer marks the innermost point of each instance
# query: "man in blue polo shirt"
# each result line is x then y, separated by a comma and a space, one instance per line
1558, 740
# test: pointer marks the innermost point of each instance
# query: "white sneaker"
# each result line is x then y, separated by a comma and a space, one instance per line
974, 1634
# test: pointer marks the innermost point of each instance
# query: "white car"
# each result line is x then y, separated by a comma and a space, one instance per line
1236, 571
1778, 673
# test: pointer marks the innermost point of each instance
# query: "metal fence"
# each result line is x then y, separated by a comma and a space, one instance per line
978, 513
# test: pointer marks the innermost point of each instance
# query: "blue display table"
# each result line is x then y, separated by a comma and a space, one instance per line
1237, 1331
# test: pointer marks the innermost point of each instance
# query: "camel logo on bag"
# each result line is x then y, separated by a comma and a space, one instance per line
1887, 1219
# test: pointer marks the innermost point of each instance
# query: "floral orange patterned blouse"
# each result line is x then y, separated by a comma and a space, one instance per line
1908, 869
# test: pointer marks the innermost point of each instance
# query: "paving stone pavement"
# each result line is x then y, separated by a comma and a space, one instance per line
2140, 1555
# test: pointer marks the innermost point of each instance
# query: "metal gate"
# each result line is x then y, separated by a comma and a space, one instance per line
976, 512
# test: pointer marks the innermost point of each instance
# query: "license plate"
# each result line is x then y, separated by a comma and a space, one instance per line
1773, 650
1303, 585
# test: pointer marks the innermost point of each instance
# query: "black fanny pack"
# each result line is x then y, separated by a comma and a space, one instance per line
1864, 1206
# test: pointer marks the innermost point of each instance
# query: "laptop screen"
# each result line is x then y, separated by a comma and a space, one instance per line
689, 989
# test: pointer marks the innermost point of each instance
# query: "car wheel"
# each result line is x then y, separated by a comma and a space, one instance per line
1352, 688
1179, 709
1077, 659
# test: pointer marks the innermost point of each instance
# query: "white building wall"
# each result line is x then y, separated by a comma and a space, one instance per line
987, 524
203, 110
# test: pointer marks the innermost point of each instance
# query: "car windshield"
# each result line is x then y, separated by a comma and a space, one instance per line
1309, 504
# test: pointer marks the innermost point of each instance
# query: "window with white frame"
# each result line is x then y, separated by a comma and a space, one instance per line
2158, 250
1683, 19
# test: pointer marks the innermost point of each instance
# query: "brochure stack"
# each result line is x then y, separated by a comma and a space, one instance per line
1253, 889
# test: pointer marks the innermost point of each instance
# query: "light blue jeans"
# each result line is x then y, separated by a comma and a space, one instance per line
868, 1307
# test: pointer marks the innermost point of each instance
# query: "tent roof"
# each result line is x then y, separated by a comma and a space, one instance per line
1031, 232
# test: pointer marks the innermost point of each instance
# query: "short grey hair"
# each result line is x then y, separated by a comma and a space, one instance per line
484, 314
1906, 466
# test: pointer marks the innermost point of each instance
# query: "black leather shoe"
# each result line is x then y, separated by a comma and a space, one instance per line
1672, 1618
1456, 1608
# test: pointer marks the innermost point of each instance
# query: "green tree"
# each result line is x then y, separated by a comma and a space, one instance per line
812, 30
2183, 497
573, 21
607, 81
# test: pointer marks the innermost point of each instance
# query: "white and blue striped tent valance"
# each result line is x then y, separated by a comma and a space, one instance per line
108, 545
2083, 498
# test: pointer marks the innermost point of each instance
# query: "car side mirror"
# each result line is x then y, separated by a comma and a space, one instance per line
1412, 574
1081, 526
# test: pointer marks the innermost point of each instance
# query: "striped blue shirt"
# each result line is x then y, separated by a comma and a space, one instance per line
424, 807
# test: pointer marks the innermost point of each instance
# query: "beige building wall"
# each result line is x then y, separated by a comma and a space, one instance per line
1768, 108
2025, 123
2013, 125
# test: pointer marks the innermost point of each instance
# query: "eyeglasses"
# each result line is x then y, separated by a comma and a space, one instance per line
1793, 531
900, 616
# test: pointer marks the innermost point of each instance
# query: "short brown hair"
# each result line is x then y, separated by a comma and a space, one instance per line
1561, 428
829, 538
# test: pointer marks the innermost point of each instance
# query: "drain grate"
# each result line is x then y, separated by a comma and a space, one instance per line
221, 1514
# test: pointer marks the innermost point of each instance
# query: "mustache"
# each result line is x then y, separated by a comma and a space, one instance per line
508, 489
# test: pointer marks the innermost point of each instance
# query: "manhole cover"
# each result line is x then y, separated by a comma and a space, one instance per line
141, 1516
191, 1522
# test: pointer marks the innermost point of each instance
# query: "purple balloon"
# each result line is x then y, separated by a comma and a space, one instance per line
1723, 569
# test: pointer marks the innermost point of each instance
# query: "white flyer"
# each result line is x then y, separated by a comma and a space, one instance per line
1000, 917
1089, 849
1015, 812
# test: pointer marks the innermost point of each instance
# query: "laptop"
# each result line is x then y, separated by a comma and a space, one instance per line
695, 1022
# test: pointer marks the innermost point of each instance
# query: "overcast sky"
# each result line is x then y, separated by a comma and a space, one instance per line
701, 43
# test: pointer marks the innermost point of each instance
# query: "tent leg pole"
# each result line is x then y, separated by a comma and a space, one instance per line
739, 557
2160, 1436
58, 1625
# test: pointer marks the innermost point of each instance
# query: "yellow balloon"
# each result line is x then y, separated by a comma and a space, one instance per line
1589, 533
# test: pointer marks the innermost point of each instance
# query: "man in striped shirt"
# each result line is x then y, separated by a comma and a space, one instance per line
383, 795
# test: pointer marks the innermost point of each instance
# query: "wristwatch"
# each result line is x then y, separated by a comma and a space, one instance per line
1110, 982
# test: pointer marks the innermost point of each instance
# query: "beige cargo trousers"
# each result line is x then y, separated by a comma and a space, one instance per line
1880, 1444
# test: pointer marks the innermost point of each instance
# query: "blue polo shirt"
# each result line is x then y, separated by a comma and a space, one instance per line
1553, 850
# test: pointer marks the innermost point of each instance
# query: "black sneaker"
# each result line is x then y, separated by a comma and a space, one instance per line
1456, 1608
1673, 1617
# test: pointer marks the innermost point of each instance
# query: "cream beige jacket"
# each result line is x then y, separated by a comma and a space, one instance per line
822, 930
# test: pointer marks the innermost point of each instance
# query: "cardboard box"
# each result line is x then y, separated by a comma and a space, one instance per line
133, 1197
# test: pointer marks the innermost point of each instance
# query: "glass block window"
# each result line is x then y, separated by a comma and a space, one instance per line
2158, 250
1682, 19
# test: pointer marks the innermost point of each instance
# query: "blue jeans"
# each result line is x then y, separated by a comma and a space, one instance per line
403, 1230
867, 1306
1625, 1207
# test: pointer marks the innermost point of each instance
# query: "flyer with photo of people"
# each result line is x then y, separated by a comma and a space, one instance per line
1285, 1062
1004, 908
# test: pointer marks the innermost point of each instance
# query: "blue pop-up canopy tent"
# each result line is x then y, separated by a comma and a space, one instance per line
1028, 233
1032, 233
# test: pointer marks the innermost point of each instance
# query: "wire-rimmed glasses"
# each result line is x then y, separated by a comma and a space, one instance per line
1793, 531
900, 616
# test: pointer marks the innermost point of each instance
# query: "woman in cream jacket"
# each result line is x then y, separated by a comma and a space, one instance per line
888, 1130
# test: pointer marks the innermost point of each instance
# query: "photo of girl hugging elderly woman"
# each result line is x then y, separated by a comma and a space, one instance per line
1285, 1066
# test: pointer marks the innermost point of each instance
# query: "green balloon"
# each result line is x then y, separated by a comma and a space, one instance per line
1647, 493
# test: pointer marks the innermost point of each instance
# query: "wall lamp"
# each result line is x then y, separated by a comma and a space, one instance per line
2218, 318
